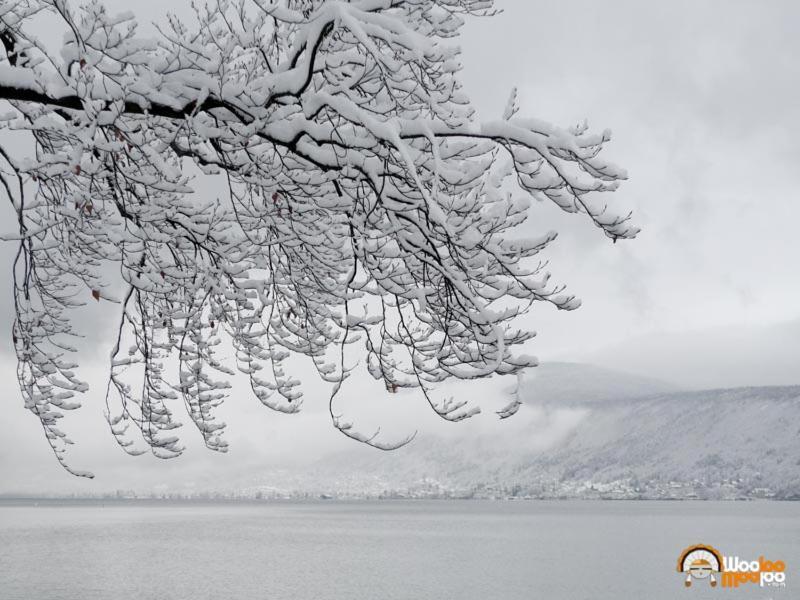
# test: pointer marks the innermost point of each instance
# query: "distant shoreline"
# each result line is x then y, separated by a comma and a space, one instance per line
44, 501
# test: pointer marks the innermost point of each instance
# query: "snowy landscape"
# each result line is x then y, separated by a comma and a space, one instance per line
345, 299
573, 440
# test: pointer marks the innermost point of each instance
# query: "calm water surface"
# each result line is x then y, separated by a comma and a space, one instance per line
462, 550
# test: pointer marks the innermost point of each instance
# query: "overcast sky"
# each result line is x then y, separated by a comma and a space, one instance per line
702, 98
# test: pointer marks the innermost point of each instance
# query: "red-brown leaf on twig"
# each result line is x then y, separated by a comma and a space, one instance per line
96, 295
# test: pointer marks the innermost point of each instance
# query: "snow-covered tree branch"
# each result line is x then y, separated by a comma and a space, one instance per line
366, 205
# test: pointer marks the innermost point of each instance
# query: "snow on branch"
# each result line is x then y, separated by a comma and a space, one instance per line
366, 205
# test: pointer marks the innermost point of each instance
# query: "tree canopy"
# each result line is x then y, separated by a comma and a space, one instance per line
366, 206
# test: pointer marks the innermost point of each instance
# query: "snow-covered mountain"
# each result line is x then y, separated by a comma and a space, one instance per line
581, 431
587, 432
730, 442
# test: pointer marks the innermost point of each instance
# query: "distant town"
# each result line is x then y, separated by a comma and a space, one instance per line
430, 489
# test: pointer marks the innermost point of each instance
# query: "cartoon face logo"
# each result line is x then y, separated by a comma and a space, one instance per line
700, 562
700, 568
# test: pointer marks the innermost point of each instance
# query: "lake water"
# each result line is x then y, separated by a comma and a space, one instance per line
385, 549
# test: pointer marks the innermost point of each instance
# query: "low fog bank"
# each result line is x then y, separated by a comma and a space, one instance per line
582, 431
